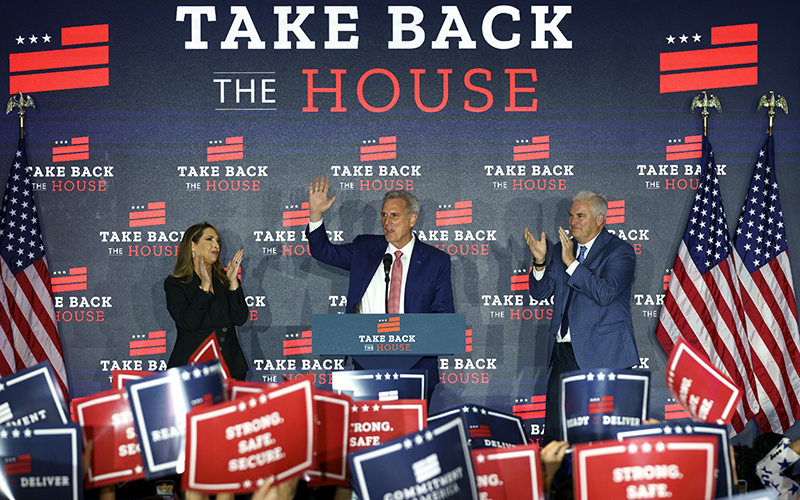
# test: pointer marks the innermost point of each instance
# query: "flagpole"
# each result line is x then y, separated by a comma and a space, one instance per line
17, 101
705, 101
771, 102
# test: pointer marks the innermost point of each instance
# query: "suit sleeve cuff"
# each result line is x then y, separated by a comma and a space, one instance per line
572, 267
314, 225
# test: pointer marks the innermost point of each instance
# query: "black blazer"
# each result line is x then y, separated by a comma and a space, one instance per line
197, 314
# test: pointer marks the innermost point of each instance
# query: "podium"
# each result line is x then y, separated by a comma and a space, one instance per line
414, 335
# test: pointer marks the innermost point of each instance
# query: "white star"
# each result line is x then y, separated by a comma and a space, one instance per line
696, 37
262, 399
376, 407
670, 39
33, 38
378, 376
15, 433
20, 40
365, 408
407, 444
684, 38
480, 458
252, 403
138, 469
601, 376
46, 38
3, 434
186, 375
242, 406
590, 376
660, 446
612, 376
196, 373
632, 448
354, 409
246, 483
428, 436
418, 439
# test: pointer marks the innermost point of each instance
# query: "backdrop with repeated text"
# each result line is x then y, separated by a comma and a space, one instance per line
152, 116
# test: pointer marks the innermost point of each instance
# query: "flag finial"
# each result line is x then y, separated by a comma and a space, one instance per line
705, 101
771, 101
17, 101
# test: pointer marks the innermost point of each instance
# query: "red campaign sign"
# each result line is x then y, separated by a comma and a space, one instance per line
374, 422
330, 455
106, 419
646, 467
238, 388
209, 350
511, 473
704, 391
238, 445
120, 377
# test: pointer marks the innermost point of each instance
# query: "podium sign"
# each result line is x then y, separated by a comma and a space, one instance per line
388, 334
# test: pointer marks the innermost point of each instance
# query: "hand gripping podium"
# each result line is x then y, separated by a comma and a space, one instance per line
413, 335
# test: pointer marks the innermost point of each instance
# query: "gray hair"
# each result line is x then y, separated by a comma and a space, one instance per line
412, 203
597, 201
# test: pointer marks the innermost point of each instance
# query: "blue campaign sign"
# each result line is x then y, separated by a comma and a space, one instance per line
594, 403
725, 484
41, 463
434, 463
160, 403
383, 385
487, 428
32, 397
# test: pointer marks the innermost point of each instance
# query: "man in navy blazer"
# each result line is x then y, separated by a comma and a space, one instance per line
427, 287
591, 287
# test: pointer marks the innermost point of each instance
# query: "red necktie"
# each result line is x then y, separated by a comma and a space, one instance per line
397, 281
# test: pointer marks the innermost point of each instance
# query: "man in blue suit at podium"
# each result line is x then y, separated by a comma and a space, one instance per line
591, 287
419, 273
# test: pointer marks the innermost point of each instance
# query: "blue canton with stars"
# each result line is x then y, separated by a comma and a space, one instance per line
20, 238
760, 236
706, 235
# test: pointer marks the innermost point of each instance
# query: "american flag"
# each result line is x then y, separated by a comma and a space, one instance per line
765, 282
27, 312
702, 303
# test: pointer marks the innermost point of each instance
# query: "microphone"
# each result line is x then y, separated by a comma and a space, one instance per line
387, 266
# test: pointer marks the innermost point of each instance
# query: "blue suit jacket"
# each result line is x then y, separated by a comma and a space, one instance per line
428, 287
600, 323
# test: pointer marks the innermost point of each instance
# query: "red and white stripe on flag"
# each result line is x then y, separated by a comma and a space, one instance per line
767, 293
27, 310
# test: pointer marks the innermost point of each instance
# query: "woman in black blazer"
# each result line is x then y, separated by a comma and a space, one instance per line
203, 298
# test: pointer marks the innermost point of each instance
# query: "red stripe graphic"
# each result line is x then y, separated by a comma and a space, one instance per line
616, 212
666, 282
56, 59
741, 33
605, 405
76, 280
78, 35
691, 148
155, 215
675, 411
20, 465
39, 64
738, 77
519, 282
232, 150
298, 346
537, 150
59, 80
709, 58
78, 150
480, 431
156, 343
535, 409
468, 337
392, 325
385, 150
724, 58
461, 214
296, 217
